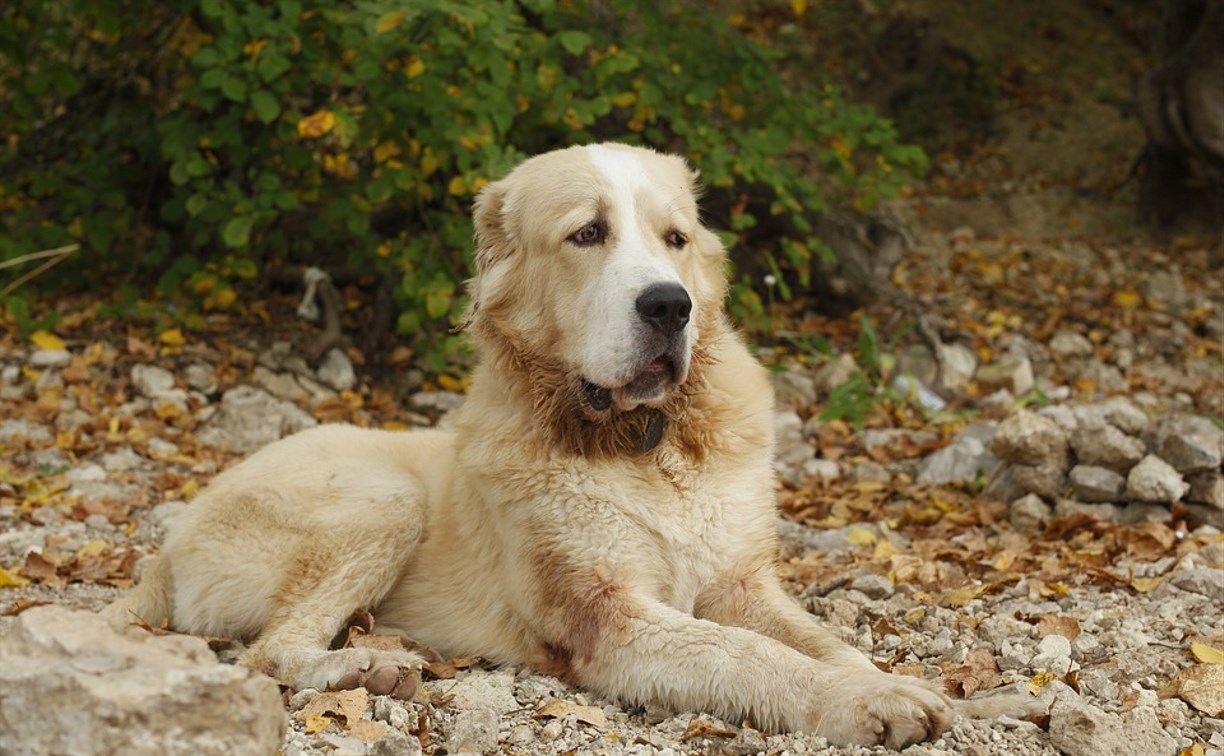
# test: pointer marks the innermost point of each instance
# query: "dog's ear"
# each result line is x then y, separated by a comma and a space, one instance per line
492, 239
492, 244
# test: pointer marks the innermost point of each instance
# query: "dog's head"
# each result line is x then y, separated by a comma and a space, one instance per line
592, 259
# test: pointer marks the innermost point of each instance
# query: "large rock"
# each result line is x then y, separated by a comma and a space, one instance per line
1027, 438
1080, 729
250, 418
1207, 488
967, 457
794, 386
1156, 481
1097, 484
1105, 445
1015, 374
1044, 480
1190, 444
69, 683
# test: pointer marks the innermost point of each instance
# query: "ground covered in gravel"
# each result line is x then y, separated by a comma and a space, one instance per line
1036, 507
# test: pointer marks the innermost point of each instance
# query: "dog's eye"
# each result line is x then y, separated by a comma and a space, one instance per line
592, 233
675, 239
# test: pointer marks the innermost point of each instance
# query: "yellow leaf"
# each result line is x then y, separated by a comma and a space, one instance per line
869, 486
190, 489
389, 21
798, 6
46, 340
624, 99
448, 383
395, 425
317, 723
1205, 653
1127, 298
861, 537
1146, 585
415, 67
12, 579
385, 151
172, 337
457, 186
960, 597
1039, 681
94, 548
314, 126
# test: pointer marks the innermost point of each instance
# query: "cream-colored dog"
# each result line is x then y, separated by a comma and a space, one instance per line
603, 510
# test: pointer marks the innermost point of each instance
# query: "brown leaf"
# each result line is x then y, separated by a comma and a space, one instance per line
704, 728
20, 605
38, 567
346, 705
1053, 624
560, 708
979, 672
445, 670
1201, 686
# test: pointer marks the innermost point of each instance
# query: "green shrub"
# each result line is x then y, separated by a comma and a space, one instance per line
195, 142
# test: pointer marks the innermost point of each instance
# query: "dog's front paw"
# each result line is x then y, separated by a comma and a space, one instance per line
875, 708
380, 671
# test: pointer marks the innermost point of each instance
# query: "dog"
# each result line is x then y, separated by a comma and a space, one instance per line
603, 510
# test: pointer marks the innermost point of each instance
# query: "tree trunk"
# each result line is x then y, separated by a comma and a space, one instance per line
1182, 106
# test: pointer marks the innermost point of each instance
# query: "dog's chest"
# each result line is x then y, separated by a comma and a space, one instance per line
708, 523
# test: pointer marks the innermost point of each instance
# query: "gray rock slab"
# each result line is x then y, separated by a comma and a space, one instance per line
1106, 446
250, 418
69, 683
1027, 438
1155, 480
1094, 484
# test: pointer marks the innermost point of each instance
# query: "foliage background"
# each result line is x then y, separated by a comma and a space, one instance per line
188, 146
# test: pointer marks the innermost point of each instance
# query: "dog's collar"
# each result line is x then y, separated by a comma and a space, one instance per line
599, 399
654, 430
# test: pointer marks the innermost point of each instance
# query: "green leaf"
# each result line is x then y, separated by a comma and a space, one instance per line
237, 232
265, 105
234, 88
575, 42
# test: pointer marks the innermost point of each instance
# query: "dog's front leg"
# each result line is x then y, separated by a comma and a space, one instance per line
609, 635
750, 596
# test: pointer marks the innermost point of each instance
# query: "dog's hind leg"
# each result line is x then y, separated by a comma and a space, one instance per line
353, 564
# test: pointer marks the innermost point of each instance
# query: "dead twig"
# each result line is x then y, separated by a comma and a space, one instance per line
53, 257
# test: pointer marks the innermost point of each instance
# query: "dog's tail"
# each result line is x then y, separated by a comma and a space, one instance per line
149, 601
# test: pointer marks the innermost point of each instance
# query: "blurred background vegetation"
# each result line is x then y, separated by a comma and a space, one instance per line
192, 147
193, 153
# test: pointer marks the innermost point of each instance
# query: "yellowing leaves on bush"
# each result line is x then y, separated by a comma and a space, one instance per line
315, 126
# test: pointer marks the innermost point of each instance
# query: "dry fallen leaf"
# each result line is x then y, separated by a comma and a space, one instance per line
346, 705
445, 670
979, 672
1201, 686
1206, 653
704, 728
1053, 624
559, 709
368, 731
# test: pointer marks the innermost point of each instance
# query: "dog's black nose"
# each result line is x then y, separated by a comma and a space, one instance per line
665, 306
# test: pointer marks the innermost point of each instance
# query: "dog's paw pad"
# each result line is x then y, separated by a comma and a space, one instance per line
391, 680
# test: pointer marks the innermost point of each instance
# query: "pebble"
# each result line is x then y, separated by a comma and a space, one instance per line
50, 358
336, 370
1096, 484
